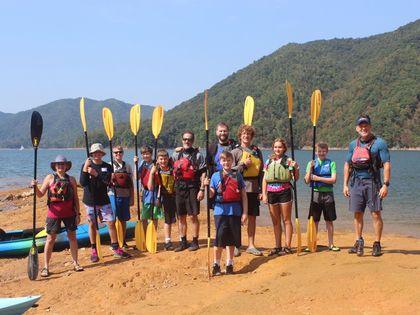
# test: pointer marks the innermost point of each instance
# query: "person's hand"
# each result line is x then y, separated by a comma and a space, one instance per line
135, 159
383, 192
200, 195
131, 202
260, 196
34, 183
88, 163
313, 163
153, 169
92, 171
346, 191
206, 181
179, 149
244, 218
294, 164
264, 199
248, 161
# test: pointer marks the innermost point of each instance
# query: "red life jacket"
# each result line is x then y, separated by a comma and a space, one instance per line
185, 168
145, 174
361, 158
229, 188
122, 178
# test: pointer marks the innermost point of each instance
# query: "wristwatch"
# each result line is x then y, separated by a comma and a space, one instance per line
386, 184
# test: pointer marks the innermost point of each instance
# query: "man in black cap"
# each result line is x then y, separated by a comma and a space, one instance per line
366, 156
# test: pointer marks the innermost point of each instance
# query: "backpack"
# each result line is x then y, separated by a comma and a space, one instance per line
121, 177
185, 168
229, 188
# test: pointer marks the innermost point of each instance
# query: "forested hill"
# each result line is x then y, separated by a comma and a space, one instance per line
378, 75
62, 125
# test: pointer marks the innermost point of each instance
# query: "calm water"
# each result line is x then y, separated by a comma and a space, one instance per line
401, 208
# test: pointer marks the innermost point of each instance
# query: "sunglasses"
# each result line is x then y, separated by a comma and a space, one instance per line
118, 152
187, 139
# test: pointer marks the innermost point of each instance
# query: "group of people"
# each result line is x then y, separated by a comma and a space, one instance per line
237, 178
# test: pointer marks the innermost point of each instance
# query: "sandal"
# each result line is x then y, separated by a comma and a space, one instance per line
254, 251
274, 252
45, 273
334, 248
287, 250
78, 268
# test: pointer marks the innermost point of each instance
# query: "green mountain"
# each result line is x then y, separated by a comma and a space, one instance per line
62, 125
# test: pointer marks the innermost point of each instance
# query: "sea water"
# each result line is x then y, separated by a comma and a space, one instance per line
401, 208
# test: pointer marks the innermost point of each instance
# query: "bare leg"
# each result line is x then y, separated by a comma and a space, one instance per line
124, 228
73, 245
92, 232
144, 222
378, 224
49, 245
252, 222
167, 230
358, 223
275, 214
196, 225
112, 231
155, 222
229, 252
330, 231
286, 211
182, 225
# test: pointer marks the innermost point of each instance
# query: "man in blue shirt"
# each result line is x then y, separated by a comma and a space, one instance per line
366, 156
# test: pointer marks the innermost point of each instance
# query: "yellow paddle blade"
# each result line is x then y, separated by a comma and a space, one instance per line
315, 106
289, 92
120, 233
206, 118
208, 257
98, 246
42, 233
135, 119
157, 120
312, 234
151, 242
314, 237
299, 237
308, 233
248, 110
82, 114
139, 236
108, 122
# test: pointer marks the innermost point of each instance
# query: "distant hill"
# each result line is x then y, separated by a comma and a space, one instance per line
62, 125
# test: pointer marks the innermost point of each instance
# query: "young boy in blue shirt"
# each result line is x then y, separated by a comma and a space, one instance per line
231, 207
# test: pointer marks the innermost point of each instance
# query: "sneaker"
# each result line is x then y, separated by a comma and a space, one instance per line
182, 246
229, 270
125, 245
193, 247
94, 255
236, 252
353, 250
119, 253
169, 246
216, 270
334, 248
253, 251
376, 249
360, 247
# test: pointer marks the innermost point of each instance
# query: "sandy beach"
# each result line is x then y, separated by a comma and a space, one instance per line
177, 283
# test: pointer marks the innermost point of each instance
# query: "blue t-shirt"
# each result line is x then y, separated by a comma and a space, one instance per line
228, 208
379, 147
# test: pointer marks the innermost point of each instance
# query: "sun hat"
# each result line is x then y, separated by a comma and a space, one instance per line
364, 119
97, 147
60, 159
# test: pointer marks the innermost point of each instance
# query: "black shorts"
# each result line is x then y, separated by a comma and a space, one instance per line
228, 230
186, 201
275, 198
169, 208
53, 226
253, 204
323, 203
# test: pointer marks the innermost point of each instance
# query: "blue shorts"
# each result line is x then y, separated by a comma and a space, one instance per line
105, 213
364, 192
122, 212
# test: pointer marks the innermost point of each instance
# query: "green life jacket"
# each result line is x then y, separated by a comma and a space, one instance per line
278, 172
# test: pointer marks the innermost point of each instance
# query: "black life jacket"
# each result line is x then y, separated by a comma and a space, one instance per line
60, 189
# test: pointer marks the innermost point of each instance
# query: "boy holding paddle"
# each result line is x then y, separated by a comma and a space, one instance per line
230, 209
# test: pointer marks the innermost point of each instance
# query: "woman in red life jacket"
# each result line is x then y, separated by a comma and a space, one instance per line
63, 206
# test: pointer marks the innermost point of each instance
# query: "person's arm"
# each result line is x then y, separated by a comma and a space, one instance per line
327, 180
383, 192
346, 176
244, 200
237, 165
75, 199
150, 182
309, 170
40, 192
264, 190
295, 169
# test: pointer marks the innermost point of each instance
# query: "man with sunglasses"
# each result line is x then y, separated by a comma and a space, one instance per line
122, 179
189, 171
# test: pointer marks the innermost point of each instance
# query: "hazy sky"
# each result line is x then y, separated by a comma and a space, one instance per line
162, 51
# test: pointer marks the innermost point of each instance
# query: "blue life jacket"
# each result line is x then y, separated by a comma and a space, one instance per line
323, 170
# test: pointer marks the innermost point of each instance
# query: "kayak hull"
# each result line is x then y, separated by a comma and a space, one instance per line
15, 306
17, 243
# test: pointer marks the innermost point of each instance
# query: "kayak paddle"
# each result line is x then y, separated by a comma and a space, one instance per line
98, 236
109, 130
208, 175
248, 110
36, 132
290, 108
135, 126
151, 242
315, 111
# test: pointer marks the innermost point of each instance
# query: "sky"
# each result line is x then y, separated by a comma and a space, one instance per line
162, 52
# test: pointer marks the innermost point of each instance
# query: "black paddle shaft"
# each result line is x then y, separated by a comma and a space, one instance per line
91, 186
112, 172
152, 206
207, 186
313, 158
137, 177
34, 205
294, 175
